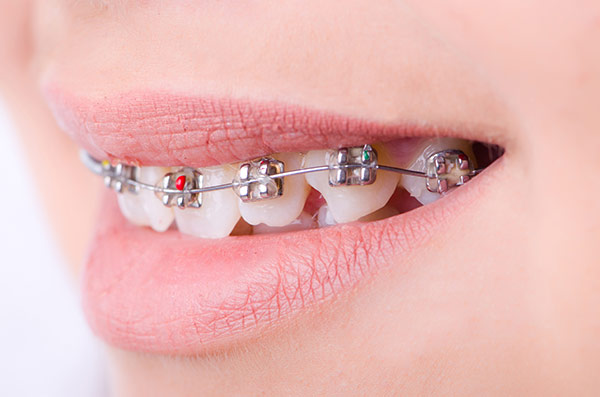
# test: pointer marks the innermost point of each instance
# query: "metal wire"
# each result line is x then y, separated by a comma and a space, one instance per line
96, 167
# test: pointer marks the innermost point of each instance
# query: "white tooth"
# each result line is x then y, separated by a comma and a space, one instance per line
143, 208
219, 213
350, 203
303, 222
324, 217
417, 186
283, 210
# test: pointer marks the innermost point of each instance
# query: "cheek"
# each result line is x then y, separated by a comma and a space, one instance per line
518, 43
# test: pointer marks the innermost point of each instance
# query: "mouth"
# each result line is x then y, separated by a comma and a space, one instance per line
172, 280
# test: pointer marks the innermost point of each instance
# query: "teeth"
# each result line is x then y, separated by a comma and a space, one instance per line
350, 203
219, 213
223, 212
415, 185
143, 208
283, 210
303, 222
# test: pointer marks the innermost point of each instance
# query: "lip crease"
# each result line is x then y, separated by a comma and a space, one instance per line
176, 294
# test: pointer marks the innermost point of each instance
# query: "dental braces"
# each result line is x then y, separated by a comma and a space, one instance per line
263, 178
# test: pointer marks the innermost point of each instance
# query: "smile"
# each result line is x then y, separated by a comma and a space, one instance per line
244, 244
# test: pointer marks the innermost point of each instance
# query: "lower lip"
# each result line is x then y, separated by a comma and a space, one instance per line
175, 294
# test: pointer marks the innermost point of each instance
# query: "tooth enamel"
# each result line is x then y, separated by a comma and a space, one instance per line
303, 222
143, 208
349, 203
324, 217
416, 186
283, 210
219, 213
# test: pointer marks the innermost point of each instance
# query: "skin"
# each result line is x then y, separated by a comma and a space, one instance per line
506, 302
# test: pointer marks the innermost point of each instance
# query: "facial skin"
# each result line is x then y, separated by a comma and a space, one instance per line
505, 302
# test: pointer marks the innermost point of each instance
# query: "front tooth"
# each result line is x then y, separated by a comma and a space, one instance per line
283, 210
350, 203
219, 213
416, 186
143, 208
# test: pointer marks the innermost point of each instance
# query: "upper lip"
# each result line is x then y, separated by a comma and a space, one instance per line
174, 130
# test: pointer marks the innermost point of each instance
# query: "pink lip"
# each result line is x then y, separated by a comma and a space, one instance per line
171, 293
169, 130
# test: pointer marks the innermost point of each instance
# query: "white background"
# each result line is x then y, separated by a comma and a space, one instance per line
45, 346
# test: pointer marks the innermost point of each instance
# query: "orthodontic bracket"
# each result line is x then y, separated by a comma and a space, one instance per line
117, 177
254, 180
262, 179
352, 166
184, 182
447, 169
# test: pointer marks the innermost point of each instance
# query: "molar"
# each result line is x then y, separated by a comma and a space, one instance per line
143, 208
416, 186
283, 210
219, 213
350, 203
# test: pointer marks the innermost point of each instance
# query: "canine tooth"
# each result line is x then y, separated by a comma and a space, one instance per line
416, 186
283, 210
219, 213
350, 203
143, 208
303, 222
